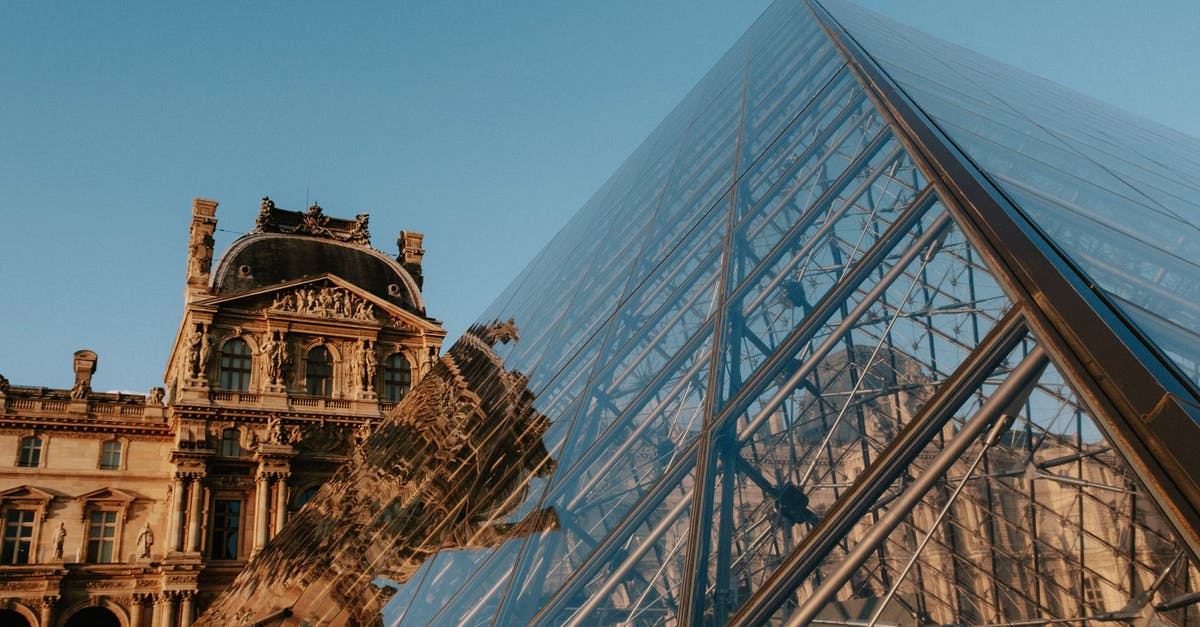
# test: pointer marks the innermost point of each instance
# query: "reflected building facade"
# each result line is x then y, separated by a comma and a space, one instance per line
870, 330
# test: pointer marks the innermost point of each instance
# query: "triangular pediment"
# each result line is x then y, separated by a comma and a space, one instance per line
325, 296
108, 494
26, 492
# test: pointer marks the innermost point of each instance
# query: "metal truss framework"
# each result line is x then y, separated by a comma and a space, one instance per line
810, 359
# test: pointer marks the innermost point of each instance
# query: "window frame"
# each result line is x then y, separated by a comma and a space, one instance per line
231, 447
112, 542
404, 382
40, 449
325, 375
30, 541
220, 535
105, 462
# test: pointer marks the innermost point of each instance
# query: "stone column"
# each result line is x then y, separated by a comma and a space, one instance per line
185, 611
135, 611
164, 610
46, 615
193, 528
176, 514
280, 513
261, 490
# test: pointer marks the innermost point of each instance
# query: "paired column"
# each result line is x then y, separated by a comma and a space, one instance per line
280, 513
164, 610
186, 609
195, 491
176, 520
135, 610
261, 504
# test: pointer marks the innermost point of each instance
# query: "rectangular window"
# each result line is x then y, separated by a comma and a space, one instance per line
226, 517
18, 536
110, 455
101, 537
31, 452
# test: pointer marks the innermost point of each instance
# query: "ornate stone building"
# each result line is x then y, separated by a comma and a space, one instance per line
131, 510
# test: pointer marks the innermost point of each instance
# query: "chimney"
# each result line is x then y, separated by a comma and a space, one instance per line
411, 254
200, 246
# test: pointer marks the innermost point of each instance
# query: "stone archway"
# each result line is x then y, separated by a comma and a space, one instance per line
13, 618
93, 617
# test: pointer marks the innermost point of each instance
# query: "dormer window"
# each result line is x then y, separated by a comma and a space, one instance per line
236, 365
318, 372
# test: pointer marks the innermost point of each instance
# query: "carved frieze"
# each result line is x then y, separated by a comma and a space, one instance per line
325, 302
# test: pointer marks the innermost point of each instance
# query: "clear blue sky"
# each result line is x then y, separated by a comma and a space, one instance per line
484, 125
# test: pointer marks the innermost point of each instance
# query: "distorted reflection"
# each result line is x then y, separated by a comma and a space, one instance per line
446, 470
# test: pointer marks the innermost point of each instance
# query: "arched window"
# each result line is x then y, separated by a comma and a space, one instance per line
231, 443
306, 496
110, 455
397, 377
30, 453
318, 372
235, 365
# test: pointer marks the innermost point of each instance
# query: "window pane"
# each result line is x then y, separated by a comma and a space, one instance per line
397, 378
102, 531
18, 532
226, 516
318, 372
31, 452
110, 456
235, 365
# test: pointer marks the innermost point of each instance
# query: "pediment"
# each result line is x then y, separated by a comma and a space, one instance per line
26, 492
323, 297
108, 494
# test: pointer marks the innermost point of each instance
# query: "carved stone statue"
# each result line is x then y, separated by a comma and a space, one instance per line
201, 248
264, 212
3, 385
364, 366
60, 537
205, 351
275, 357
193, 344
155, 397
145, 540
275, 430
359, 233
80, 391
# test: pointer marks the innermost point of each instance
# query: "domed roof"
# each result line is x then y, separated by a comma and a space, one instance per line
290, 245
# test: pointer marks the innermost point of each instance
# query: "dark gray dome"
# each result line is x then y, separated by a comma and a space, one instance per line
263, 259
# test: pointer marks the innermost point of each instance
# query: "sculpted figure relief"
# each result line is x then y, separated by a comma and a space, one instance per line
193, 347
145, 540
364, 366
326, 302
275, 358
80, 390
60, 537
155, 397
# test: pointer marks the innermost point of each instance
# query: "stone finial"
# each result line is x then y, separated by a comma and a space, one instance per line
411, 254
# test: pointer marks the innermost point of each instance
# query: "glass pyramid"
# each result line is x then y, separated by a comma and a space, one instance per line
870, 331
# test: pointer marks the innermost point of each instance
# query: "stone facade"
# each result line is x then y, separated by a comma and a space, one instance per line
138, 510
